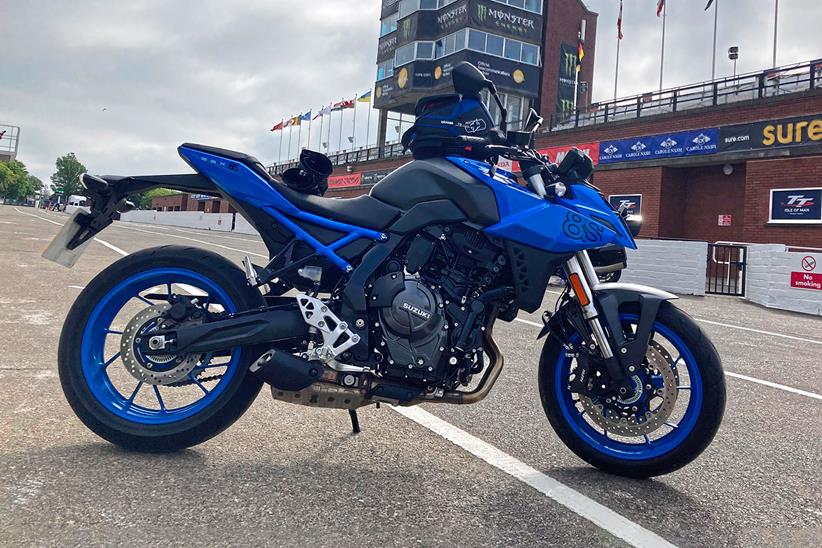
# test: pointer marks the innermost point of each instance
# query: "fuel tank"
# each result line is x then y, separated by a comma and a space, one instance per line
438, 179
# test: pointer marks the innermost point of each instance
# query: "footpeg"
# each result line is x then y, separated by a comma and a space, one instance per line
337, 338
250, 272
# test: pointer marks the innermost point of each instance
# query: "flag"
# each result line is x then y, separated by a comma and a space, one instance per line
708, 5
295, 121
580, 55
344, 104
279, 126
660, 5
619, 21
365, 97
306, 116
323, 111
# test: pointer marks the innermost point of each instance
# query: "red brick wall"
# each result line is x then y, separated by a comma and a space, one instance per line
563, 21
645, 181
168, 203
706, 193
763, 175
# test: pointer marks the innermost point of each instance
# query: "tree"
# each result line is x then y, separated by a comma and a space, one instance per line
66, 180
6, 179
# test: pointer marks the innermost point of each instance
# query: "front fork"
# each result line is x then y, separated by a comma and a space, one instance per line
580, 271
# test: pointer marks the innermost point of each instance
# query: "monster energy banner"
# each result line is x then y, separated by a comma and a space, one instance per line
501, 19
389, 7
567, 78
427, 24
452, 19
387, 47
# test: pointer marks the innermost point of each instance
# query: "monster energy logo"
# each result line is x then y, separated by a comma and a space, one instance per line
566, 105
506, 19
569, 63
482, 11
406, 28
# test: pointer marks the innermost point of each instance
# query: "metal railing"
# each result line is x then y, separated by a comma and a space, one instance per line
775, 82
744, 87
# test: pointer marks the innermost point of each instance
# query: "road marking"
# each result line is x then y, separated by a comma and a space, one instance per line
775, 385
791, 337
736, 375
77, 287
602, 516
120, 225
99, 241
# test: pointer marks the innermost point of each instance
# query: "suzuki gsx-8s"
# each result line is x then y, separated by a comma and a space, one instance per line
390, 297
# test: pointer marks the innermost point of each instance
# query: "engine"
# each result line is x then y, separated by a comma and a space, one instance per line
430, 308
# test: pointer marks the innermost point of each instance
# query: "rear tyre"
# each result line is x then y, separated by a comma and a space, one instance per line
147, 419
689, 430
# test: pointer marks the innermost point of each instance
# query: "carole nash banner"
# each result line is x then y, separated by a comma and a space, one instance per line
659, 147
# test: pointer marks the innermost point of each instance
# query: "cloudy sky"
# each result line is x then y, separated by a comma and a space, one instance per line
121, 84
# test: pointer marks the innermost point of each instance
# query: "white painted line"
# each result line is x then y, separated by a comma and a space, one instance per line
76, 287
771, 333
121, 225
736, 375
111, 247
602, 516
535, 324
775, 385
99, 241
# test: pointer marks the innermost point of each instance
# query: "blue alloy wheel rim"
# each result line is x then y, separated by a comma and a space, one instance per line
98, 328
633, 451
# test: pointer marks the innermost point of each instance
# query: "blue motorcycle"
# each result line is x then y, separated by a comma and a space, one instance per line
390, 297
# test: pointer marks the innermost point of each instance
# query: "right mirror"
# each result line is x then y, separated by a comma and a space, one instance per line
533, 122
468, 80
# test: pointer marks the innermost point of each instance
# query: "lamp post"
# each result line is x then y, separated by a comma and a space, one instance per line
733, 55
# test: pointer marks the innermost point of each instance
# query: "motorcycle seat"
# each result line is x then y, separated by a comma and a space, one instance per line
363, 211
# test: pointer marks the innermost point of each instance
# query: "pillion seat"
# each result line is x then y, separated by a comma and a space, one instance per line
363, 211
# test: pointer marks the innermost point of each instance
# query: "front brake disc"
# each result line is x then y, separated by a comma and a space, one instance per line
618, 416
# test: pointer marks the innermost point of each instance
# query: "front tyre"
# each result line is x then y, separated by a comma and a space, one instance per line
671, 417
156, 403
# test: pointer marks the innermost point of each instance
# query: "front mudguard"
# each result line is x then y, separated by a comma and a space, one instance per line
609, 298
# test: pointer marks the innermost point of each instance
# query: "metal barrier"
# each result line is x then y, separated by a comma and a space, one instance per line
744, 87
726, 269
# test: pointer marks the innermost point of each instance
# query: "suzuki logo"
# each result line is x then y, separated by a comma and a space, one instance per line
701, 139
639, 146
668, 143
799, 200
611, 149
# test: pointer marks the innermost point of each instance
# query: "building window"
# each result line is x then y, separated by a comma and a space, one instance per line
407, 7
385, 70
388, 25
516, 105
415, 50
530, 5
496, 45
404, 54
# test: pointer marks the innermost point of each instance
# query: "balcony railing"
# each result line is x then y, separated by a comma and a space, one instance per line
776, 82
744, 87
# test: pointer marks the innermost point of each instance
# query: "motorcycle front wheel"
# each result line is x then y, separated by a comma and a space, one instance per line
671, 416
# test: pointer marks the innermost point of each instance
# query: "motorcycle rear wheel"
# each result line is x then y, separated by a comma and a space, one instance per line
671, 446
139, 415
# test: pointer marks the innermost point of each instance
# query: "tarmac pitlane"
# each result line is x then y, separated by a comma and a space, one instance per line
286, 475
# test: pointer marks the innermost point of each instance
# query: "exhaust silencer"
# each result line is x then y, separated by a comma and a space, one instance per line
286, 371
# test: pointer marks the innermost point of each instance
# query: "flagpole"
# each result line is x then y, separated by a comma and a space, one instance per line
368, 121
713, 59
280, 153
300, 134
308, 145
775, 28
342, 115
616, 76
354, 126
322, 123
290, 132
662, 55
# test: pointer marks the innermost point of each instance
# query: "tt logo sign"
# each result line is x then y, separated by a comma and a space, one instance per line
798, 200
